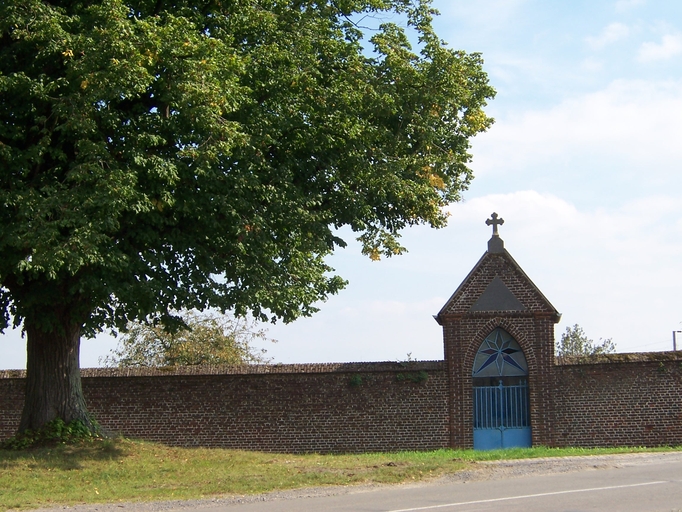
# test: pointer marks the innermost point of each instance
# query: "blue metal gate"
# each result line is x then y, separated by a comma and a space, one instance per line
501, 417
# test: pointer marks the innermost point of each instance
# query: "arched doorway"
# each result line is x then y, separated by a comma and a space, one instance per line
500, 380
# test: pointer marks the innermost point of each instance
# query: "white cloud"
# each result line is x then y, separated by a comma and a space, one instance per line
670, 46
363, 325
612, 33
631, 120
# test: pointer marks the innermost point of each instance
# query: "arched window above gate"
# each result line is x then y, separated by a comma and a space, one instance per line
500, 355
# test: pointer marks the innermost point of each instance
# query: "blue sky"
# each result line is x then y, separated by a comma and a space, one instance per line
584, 163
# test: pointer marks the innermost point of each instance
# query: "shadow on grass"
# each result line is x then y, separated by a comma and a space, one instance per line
65, 456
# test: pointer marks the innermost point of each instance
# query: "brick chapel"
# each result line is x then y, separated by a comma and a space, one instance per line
498, 332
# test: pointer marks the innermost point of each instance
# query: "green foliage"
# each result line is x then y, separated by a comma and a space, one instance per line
53, 433
574, 342
165, 155
206, 339
355, 381
416, 377
411, 375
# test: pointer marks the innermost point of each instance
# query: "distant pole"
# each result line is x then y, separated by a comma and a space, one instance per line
675, 340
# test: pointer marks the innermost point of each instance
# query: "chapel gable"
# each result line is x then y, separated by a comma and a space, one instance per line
497, 284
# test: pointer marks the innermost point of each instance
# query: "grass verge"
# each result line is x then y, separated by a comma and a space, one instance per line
122, 470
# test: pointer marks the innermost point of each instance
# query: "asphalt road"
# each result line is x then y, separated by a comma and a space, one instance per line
649, 483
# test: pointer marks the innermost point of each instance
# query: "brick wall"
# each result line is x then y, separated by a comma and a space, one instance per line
11, 401
352, 407
615, 400
619, 400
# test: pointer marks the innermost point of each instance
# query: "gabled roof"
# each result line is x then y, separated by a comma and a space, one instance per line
497, 284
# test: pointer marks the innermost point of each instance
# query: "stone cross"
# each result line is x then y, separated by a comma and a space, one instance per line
494, 222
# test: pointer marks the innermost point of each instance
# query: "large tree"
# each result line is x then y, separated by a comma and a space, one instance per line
157, 155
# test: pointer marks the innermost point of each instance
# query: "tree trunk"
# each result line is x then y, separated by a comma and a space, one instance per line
53, 379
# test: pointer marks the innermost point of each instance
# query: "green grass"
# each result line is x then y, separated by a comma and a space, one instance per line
124, 470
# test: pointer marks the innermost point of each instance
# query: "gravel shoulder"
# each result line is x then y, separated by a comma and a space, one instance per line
494, 470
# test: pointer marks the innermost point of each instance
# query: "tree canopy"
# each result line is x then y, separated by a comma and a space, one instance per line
158, 156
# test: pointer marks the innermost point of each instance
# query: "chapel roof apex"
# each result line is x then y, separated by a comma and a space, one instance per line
497, 285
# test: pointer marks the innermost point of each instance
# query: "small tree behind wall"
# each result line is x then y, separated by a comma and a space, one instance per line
208, 338
574, 342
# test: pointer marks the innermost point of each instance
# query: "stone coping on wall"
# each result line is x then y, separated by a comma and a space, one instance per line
249, 369
381, 366
633, 357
